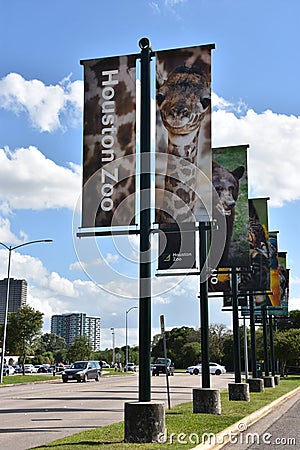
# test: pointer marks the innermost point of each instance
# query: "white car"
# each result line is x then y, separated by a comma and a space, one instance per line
214, 369
29, 368
8, 370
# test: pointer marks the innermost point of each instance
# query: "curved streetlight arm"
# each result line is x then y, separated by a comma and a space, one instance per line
10, 249
126, 334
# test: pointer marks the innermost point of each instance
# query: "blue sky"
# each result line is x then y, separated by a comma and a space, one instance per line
256, 101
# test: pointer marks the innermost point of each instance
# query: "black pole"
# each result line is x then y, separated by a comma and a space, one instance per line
273, 370
145, 228
253, 337
204, 316
265, 337
235, 326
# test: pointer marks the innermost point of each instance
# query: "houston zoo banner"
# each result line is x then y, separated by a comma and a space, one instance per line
283, 273
109, 141
183, 135
273, 297
258, 279
230, 181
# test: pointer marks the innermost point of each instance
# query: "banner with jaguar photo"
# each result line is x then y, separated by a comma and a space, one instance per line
109, 141
183, 135
257, 278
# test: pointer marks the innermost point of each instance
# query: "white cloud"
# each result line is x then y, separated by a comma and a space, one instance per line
29, 180
46, 106
274, 157
8, 236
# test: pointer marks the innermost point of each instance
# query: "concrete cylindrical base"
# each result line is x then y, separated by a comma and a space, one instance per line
239, 391
206, 401
269, 382
277, 380
256, 384
144, 422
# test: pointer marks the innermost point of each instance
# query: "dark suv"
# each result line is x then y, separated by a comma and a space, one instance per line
163, 365
82, 371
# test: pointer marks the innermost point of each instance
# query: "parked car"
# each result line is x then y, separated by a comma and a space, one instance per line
82, 371
105, 365
214, 368
43, 368
162, 365
8, 370
18, 368
30, 368
130, 367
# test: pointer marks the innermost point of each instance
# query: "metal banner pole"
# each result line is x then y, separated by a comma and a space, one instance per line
145, 228
236, 331
272, 353
265, 337
204, 316
253, 337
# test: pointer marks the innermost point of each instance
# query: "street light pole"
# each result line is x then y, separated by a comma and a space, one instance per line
126, 335
113, 343
10, 249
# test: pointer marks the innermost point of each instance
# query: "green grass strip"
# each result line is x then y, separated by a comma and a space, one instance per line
180, 420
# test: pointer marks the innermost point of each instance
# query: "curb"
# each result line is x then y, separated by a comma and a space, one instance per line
222, 437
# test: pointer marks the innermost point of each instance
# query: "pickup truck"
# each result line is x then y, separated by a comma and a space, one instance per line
162, 365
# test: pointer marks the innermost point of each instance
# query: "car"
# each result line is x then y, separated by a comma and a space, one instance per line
18, 368
30, 368
130, 367
105, 365
8, 370
82, 371
214, 369
44, 368
163, 365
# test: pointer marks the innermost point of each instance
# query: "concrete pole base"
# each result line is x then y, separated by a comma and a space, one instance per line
277, 380
239, 391
269, 382
206, 401
256, 384
144, 422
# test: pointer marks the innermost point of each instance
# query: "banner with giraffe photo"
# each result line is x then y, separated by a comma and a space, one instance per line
183, 135
109, 142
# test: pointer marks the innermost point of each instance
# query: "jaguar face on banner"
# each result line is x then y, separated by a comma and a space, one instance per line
109, 141
183, 135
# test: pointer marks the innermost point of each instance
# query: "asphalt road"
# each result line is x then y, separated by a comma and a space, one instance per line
37, 413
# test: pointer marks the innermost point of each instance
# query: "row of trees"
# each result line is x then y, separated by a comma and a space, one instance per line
184, 344
24, 338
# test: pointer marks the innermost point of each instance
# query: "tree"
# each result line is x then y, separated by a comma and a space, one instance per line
217, 333
24, 327
50, 342
287, 345
80, 350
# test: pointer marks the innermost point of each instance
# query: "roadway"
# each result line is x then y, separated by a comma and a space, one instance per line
34, 414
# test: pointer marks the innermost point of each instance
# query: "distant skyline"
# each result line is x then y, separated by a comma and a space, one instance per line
256, 101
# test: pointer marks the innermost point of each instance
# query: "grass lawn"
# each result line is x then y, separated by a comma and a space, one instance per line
179, 419
16, 379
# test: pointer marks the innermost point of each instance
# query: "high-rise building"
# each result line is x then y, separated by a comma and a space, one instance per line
17, 296
71, 325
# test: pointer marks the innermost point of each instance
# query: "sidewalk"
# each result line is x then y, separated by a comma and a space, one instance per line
275, 425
